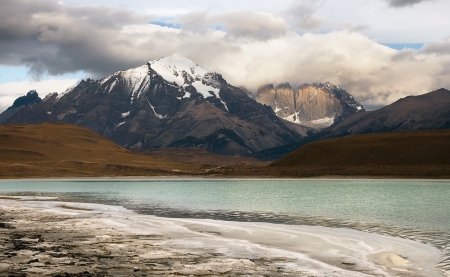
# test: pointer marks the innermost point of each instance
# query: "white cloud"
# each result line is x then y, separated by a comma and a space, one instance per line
237, 24
302, 14
12, 90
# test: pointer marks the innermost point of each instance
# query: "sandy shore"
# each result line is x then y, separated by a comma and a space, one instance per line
44, 237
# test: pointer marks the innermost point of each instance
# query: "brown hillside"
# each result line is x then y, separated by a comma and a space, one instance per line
201, 156
413, 153
66, 150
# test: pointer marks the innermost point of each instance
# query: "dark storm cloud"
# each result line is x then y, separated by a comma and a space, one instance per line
52, 38
404, 3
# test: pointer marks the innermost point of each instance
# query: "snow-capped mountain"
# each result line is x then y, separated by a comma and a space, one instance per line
168, 102
314, 105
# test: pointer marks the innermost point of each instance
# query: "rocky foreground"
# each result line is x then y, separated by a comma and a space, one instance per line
41, 243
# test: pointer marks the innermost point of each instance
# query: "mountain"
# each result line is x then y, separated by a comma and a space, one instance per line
314, 105
429, 111
30, 98
168, 102
66, 150
413, 153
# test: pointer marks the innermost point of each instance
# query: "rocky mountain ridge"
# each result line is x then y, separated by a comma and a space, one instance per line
169, 102
430, 111
30, 98
314, 105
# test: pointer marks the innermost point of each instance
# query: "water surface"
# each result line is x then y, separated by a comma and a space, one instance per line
414, 209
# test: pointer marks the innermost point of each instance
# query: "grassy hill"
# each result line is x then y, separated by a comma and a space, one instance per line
65, 150
201, 156
413, 154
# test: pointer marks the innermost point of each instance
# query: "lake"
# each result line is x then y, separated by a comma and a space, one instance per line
417, 210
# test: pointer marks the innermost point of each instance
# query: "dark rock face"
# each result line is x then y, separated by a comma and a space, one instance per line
167, 102
315, 105
31, 98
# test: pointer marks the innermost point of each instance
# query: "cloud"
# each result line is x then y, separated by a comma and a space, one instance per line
255, 25
347, 25
248, 48
12, 90
302, 15
441, 47
236, 24
405, 3
56, 39
404, 55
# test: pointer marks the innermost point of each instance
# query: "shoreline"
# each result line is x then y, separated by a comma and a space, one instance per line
170, 248
217, 177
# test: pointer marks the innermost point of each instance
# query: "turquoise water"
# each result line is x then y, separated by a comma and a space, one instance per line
420, 204
413, 209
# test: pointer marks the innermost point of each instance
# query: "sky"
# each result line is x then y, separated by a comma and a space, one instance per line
377, 50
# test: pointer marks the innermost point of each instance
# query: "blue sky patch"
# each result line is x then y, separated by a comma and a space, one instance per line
401, 46
166, 24
10, 74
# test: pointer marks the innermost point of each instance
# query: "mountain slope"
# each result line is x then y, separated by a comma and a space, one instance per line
167, 102
29, 99
412, 153
423, 112
59, 149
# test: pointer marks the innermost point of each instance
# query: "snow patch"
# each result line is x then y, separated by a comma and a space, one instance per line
325, 122
67, 91
294, 118
121, 123
137, 79
205, 90
187, 94
184, 72
125, 114
358, 108
69, 111
218, 96
112, 85
315, 94
171, 69
156, 114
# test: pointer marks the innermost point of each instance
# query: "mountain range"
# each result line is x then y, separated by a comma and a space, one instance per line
430, 111
169, 102
172, 102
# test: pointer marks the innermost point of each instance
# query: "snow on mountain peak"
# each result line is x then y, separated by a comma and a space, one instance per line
171, 69
184, 72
